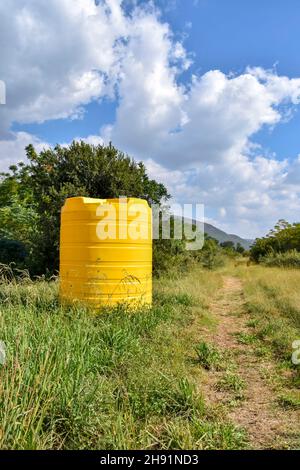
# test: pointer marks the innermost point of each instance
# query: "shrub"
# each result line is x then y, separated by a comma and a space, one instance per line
290, 259
211, 256
55, 174
208, 356
12, 251
170, 255
283, 238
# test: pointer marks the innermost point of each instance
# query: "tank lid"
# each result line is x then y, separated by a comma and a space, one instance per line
76, 203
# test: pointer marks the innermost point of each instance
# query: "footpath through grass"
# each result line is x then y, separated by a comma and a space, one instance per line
159, 378
120, 380
273, 300
256, 386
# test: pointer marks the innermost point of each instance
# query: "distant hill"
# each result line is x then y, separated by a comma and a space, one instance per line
221, 236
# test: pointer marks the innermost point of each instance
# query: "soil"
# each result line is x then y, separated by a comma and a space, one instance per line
267, 425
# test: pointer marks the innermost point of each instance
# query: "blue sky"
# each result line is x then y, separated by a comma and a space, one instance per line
233, 34
247, 174
227, 35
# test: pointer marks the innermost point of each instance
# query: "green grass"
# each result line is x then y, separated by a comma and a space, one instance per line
273, 298
203, 434
119, 380
245, 338
232, 382
287, 260
135, 380
290, 400
209, 356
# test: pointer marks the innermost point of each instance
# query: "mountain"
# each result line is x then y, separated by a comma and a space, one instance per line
221, 236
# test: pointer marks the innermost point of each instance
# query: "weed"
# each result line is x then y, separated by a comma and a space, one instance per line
252, 323
74, 380
175, 299
208, 356
245, 338
290, 401
233, 383
202, 434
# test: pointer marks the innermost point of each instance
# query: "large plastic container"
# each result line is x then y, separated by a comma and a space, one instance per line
106, 251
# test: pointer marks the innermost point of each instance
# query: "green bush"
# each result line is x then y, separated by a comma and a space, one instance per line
212, 255
208, 356
32, 195
12, 251
290, 259
283, 238
170, 256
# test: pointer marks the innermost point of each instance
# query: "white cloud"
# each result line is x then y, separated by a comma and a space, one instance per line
199, 139
12, 149
201, 144
293, 175
56, 56
222, 212
91, 139
211, 121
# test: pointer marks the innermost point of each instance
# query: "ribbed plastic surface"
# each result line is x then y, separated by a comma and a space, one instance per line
106, 271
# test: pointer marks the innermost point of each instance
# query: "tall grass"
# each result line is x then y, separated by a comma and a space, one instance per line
273, 298
119, 380
289, 259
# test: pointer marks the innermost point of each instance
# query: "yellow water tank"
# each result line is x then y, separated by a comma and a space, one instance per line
106, 251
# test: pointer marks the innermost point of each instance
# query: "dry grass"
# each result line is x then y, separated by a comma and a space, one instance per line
119, 381
244, 372
140, 380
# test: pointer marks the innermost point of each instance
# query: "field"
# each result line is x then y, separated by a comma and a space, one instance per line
208, 367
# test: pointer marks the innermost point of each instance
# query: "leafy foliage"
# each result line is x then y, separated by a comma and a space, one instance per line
283, 238
290, 259
119, 380
228, 244
208, 356
212, 255
31, 196
12, 251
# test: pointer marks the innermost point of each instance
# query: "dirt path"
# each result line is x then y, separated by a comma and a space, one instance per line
267, 425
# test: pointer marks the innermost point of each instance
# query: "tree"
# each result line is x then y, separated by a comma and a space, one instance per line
210, 256
81, 169
12, 251
239, 248
227, 244
284, 237
18, 219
